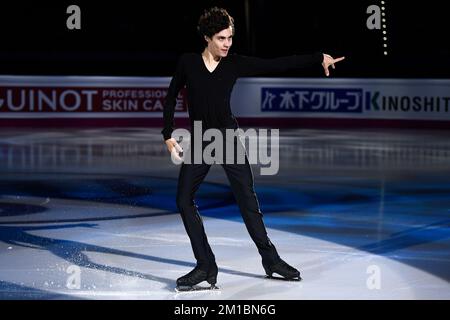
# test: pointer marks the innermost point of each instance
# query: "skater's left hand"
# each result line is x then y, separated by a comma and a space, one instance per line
329, 61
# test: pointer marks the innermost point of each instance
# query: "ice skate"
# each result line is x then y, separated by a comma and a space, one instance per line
281, 268
190, 281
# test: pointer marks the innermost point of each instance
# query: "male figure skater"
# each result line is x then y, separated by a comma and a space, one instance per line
209, 78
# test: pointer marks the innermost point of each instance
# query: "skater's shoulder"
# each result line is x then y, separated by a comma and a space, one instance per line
236, 57
188, 56
233, 55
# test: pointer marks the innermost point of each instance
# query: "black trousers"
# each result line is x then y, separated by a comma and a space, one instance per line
240, 177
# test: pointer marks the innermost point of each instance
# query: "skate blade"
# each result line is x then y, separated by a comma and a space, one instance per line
284, 279
195, 288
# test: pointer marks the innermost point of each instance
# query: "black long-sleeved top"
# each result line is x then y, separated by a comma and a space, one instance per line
209, 93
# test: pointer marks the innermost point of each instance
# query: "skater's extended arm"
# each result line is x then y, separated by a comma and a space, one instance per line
252, 66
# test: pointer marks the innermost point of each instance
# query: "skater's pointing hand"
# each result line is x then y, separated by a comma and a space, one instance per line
329, 61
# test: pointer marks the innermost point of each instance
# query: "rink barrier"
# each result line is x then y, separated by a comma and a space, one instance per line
91, 101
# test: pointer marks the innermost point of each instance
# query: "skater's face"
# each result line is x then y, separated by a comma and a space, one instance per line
221, 42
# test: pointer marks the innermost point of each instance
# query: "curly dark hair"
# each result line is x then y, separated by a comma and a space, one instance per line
214, 20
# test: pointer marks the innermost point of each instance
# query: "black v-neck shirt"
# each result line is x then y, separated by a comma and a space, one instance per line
208, 93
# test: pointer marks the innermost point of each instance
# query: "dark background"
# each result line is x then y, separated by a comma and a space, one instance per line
145, 38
